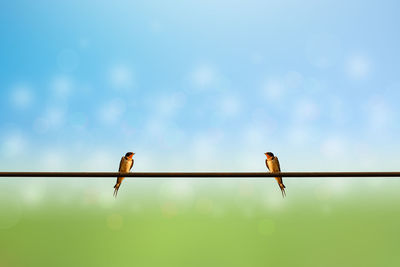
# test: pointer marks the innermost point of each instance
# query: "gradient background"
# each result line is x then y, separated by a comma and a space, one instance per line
199, 86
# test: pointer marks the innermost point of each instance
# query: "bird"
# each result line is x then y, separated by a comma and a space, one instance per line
125, 165
272, 163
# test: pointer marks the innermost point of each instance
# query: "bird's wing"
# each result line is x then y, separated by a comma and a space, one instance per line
131, 165
277, 163
120, 164
266, 163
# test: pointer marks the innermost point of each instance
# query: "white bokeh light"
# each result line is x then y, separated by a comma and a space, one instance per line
272, 200
13, 144
203, 76
168, 105
380, 114
276, 88
332, 188
306, 110
155, 126
61, 86
273, 89
53, 160
178, 189
32, 193
358, 67
333, 147
100, 160
112, 111
204, 147
122, 77
229, 106
52, 119
22, 96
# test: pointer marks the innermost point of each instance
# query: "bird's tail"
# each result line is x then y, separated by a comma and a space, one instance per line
116, 187
282, 186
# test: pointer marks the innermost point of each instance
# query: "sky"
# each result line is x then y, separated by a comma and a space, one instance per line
199, 85
195, 85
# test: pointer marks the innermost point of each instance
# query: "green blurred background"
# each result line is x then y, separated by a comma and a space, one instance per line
188, 222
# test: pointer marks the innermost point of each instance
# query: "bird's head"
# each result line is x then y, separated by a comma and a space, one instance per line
269, 155
129, 154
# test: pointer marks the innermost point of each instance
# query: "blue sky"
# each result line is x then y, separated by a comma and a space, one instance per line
199, 85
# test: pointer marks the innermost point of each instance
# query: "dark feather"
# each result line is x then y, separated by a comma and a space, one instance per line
279, 166
120, 163
266, 163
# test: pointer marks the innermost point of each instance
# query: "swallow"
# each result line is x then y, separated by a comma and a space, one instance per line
272, 163
125, 165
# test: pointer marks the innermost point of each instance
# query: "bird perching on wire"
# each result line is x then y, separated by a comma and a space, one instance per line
272, 163
125, 165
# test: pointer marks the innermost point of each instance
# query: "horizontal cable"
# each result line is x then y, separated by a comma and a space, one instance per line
200, 174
